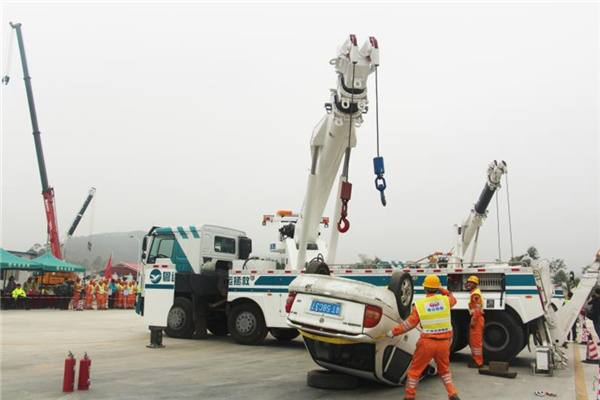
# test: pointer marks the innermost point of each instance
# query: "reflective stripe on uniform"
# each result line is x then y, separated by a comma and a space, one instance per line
446, 378
411, 383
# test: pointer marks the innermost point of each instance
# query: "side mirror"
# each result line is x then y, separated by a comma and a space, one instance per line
245, 248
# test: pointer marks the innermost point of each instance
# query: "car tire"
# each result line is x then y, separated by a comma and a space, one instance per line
317, 267
284, 335
401, 284
180, 321
218, 327
325, 379
502, 337
246, 324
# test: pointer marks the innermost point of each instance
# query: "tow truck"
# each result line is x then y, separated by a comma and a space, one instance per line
187, 291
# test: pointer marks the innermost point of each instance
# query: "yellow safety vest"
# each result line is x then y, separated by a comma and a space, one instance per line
434, 313
471, 307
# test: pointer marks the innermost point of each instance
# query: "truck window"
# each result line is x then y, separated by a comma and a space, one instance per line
224, 245
162, 247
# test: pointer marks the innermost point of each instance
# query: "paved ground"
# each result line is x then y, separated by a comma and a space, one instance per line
35, 343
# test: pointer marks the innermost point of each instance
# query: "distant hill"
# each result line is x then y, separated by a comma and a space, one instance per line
123, 247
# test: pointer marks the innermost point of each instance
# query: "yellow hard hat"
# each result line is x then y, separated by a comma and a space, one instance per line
432, 281
473, 279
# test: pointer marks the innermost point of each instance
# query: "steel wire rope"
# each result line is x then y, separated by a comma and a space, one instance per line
11, 41
498, 223
347, 159
509, 219
377, 109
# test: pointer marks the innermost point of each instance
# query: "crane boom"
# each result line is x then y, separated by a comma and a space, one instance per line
47, 190
471, 224
78, 217
332, 139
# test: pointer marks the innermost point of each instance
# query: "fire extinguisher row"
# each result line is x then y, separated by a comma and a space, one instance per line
85, 365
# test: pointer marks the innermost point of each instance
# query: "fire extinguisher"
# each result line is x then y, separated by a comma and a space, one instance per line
69, 375
85, 364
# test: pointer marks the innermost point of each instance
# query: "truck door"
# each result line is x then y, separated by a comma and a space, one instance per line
166, 246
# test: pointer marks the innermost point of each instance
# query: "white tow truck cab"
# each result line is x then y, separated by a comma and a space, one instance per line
343, 324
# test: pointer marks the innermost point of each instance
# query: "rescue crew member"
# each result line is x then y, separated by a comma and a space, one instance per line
77, 287
89, 295
433, 313
477, 322
20, 297
100, 296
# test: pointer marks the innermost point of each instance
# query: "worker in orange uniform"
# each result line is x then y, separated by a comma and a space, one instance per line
132, 294
433, 314
100, 293
77, 286
89, 295
477, 322
119, 297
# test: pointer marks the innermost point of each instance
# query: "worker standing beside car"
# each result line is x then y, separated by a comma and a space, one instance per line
433, 314
477, 322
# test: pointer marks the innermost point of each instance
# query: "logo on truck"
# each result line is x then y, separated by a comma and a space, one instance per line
155, 276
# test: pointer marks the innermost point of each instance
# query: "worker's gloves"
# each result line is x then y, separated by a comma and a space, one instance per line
390, 334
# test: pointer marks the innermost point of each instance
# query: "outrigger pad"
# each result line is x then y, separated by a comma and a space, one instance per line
498, 368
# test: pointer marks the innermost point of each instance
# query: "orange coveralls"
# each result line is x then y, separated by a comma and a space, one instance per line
77, 292
430, 345
477, 322
89, 296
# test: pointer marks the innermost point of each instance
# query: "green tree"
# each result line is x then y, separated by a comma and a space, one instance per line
531, 252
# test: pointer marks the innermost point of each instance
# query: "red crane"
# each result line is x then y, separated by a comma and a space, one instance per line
47, 190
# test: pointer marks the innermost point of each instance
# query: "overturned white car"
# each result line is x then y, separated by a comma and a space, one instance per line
343, 323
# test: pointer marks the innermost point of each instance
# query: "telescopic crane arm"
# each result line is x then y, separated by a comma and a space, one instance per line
75, 223
47, 191
332, 139
471, 224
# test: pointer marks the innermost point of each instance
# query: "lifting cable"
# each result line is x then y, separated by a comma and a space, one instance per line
11, 40
378, 161
509, 219
346, 190
498, 223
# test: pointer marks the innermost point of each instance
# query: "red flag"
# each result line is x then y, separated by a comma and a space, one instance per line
108, 267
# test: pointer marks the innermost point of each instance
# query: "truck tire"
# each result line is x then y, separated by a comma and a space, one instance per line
502, 337
318, 267
460, 333
284, 335
325, 379
401, 284
218, 327
246, 324
180, 321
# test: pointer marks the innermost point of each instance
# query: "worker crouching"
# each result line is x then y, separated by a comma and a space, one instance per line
477, 322
433, 314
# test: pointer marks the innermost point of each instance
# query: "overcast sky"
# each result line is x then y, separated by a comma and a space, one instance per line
195, 113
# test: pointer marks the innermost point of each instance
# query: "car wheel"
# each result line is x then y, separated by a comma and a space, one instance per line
246, 324
325, 379
460, 333
284, 335
317, 267
401, 284
180, 321
502, 337
218, 327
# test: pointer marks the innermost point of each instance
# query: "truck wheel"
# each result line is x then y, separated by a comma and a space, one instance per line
502, 337
180, 322
317, 267
284, 335
218, 327
246, 324
325, 379
460, 333
401, 284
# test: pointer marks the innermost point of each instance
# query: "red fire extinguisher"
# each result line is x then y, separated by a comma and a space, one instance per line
69, 375
85, 364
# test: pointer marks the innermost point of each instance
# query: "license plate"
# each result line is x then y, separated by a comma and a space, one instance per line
326, 308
